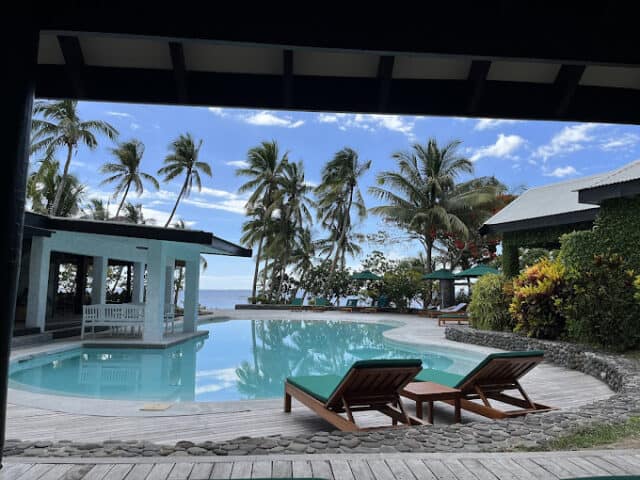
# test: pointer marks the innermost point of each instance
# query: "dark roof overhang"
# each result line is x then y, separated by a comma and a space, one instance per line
597, 195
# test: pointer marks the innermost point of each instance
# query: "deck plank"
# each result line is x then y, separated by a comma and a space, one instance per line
14, 470
479, 470
301, 469
180, 471
341, 470
380, 469
118, 472
139, 471
553, 466
498, 469
261, 469
609, 468
36, 471
201, 471
282, 469
241, 469
534, 469
160, 471
590, 467
98, 472
321, 469
419, 469
459, 470
221, 470
399, 469
77, 472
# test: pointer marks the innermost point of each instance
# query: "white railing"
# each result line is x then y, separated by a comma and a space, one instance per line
120, 317
169, 317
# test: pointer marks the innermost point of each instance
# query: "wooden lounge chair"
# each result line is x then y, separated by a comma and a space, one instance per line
368, 385
459, 308
321, 304
460, 318
351, 304
296, 304
497, 373
382, 302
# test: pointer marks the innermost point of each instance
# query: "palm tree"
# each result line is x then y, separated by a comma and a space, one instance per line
183, 159
423, 196
126, 171
60, 126
264, 171
133, 214
338, 194
43, 185
96, 210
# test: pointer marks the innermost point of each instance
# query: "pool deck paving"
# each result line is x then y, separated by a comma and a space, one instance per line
33, 416
408, 466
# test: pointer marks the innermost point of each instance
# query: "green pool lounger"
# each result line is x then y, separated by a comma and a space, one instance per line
368, 385
497, 373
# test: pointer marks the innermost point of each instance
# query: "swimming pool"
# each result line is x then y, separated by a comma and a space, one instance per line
240, 359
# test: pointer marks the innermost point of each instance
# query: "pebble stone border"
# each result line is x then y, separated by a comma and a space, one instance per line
621, 374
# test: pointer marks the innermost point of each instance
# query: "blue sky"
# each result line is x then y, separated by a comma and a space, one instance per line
519, 153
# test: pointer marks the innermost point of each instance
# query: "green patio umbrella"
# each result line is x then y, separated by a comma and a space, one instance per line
442, 274
365, 275
477, 271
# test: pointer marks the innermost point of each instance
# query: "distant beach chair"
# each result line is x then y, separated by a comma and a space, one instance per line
381, 302
368, 385
321, 304
459, 318
459, 308
296, 304
351, 304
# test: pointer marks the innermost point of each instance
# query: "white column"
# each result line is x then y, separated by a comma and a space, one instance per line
154, 306
137, 295
99, 285
38, 282
191, 294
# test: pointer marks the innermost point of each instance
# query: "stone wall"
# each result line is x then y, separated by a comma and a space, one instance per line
621, 374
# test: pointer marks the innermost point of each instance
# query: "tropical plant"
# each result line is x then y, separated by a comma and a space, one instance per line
133, 214
536, 306
43, 185
96, 210
59, 125
402, 285
264, 171
338, 195
183, 160
490, 301
125, 172
636, 283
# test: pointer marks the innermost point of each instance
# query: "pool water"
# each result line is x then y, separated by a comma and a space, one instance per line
240, 359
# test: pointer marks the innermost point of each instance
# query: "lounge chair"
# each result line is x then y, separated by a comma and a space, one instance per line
321, 304
382, 302
459, 308
460, 318
296, 304
351, 304
368, 385
497, 373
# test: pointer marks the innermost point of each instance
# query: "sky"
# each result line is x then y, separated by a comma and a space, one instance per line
519, 153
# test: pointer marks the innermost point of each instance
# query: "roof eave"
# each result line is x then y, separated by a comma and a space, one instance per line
562, 219
597, 195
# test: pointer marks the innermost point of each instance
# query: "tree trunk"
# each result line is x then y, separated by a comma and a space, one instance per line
429, 249
265, 275
256, 270
175, 207
124, 197
63, 181
343, 234
176, 293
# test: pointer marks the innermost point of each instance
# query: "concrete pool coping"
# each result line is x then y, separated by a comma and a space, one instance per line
409, 331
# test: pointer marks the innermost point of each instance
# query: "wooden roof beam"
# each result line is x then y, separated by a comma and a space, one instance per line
74, 62
179, 71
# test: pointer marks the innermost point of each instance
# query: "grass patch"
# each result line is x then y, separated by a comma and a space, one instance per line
595, 436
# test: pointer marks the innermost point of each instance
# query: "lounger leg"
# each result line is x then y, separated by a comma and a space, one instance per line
429, 413
287, 402
456, 415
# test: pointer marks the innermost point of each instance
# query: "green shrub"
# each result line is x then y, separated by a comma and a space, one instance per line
600, 307
402, 285
537, 300
490, 300
636, 283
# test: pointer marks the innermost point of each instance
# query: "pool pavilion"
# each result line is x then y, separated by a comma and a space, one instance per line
80, 254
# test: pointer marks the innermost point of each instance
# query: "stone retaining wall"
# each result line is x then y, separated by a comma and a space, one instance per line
621, 374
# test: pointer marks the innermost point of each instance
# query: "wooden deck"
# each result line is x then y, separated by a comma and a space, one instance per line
503, 466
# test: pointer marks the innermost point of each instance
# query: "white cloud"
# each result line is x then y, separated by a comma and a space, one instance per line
233, 205
561, 172
311, 183
488, 123
269, 119
213, 192
119, 114
371, 122
135, 126
622, 142
327, 118
237, 163
219, 111
569, 139
504, 147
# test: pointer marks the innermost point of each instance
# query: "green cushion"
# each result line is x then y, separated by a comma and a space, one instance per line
296, 302
322, 386
352, 302
322, 302
319, 387
448, 378
437, 376
454, 315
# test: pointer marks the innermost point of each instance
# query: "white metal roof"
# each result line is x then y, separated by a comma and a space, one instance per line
626, 173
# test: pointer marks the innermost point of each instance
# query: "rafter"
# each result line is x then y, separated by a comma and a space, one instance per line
73, 60
567, 82
477, 79
179, 71
385, 72
287, 78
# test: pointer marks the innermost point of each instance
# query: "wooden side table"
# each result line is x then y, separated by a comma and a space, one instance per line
431, 392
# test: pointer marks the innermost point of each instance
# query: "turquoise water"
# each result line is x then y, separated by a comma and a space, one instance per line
240, 359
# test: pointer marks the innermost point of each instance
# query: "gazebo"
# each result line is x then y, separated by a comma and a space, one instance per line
477, 271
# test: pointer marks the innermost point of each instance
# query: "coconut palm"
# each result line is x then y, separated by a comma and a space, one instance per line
264, 172
125, 172
43, 185
338, 194
423, 197
60, 126
183, 159
133, 214
96, 210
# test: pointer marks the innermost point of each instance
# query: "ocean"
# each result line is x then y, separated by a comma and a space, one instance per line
222, 299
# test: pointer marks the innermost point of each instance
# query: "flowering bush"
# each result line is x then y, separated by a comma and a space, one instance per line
537, 300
